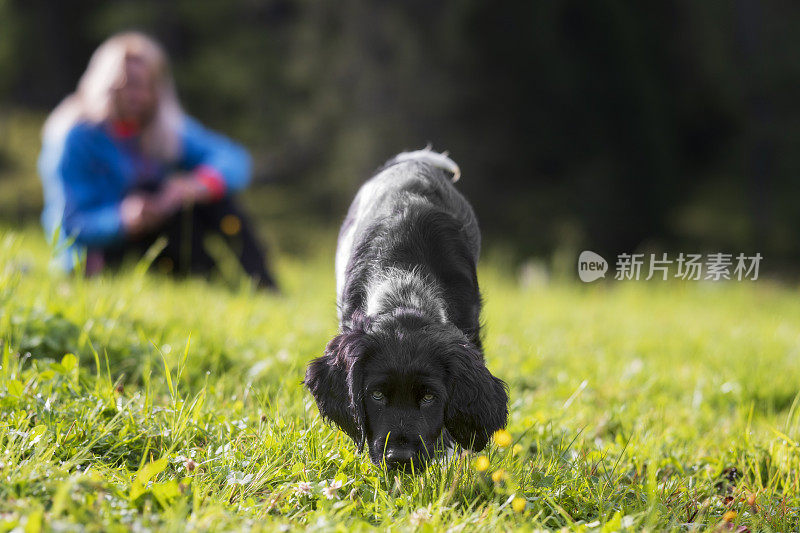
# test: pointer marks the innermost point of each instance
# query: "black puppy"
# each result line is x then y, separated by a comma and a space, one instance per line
406, 374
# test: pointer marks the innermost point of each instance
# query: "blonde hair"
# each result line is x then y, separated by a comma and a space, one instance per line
93, 99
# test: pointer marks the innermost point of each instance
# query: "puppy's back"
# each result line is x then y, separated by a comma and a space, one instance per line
403, 187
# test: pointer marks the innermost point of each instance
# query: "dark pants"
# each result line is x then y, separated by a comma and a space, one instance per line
185, 234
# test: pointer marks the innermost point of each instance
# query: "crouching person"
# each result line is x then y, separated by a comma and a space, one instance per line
122, 165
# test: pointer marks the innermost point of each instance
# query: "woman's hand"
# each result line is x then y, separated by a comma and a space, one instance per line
182, 190
141, 213
144, 212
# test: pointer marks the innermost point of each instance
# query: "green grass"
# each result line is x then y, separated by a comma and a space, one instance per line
633, 406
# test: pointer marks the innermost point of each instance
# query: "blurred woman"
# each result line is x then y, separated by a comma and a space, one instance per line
122, 165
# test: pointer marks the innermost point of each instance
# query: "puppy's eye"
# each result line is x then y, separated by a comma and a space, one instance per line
428, 398
377, 395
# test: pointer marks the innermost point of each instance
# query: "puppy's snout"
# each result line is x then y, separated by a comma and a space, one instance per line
399, 456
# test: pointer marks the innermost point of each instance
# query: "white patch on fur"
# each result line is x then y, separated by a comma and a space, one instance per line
440, 160
394, 288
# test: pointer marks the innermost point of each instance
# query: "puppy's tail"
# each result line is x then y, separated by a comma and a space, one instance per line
427, 155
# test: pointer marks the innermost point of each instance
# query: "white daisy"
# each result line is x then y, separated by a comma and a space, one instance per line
330, 490
303, 488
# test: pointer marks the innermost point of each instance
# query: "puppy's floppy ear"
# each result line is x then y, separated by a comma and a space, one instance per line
335, 381
477, 405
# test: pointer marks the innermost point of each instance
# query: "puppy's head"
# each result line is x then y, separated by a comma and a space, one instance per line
406, 386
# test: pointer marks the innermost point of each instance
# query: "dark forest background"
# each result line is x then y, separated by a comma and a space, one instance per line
610, 125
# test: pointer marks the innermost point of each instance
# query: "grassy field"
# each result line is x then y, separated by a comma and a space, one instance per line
136, 402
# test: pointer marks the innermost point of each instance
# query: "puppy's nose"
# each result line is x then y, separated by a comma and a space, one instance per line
399, 457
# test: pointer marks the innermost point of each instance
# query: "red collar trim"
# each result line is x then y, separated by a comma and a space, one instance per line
125, 128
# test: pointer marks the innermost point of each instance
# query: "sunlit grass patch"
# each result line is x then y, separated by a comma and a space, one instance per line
133, 401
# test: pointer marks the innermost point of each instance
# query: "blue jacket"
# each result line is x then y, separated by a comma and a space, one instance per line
86, 175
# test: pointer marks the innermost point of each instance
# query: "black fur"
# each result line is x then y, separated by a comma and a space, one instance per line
406, 374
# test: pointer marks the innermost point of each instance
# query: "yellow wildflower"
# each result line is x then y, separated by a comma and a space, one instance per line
502, 438
230, 225
498, 475
482, 463
518, 504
